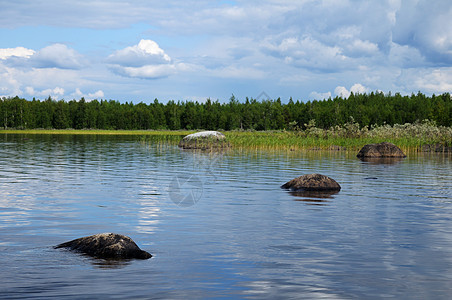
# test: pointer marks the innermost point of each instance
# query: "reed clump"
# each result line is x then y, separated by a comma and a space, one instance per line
349, 136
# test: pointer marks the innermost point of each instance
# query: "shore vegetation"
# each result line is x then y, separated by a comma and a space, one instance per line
350, 136
411, 122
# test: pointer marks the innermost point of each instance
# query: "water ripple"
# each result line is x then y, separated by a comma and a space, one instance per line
385, 234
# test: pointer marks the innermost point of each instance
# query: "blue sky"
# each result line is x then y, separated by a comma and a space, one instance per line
194, 50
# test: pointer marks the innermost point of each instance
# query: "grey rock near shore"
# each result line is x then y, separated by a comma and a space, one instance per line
384, 149
312, 182
107, 245
204, 140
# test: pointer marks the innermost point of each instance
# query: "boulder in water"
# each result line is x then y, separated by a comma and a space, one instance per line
204, 140
384, 149
312, 182
107, 245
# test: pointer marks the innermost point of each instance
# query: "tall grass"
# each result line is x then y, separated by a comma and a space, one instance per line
350, 136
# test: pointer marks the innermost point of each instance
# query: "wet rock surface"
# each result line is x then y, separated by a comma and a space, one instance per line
384, 149
107, 245
312, 182
204, 140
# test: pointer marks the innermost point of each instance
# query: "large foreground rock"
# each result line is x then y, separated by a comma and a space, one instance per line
107, 245
384, 149
312, 182
204, 140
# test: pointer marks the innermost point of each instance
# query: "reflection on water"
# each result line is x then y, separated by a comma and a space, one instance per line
309, 201
382, 160
316, 198
387, 233
100, 263
110, 263
314, 194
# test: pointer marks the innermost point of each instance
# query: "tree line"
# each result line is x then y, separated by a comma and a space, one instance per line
374, 108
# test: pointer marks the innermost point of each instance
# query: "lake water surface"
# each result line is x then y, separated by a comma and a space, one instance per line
218, 224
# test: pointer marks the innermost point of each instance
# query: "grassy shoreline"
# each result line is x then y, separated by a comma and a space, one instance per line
409, 137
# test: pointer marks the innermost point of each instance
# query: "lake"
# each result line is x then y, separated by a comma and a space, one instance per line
218, 224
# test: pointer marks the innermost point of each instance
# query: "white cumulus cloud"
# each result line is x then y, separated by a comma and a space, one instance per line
53, 56
341, 91
290, 47
55, 93
57, 56
425, 25
427, 79
16, 52
146, 72
439, 81
357, 88
147, 52
405, 56
319, 96
78, 94
9, 84
362, 48
144, 60
96, 95
308, 52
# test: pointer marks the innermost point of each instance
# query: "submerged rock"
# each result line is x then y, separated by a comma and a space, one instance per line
384, 149
312, 182
436, 148
107, 245
204, 140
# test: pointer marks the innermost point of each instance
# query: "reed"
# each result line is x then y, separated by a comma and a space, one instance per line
350, 136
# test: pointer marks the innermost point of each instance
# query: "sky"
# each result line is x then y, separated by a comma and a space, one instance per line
193, 50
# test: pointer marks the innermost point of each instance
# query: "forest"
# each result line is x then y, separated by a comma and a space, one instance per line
369, 109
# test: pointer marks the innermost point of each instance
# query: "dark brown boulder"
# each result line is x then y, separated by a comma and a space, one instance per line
107, 245
312, 182
384, 149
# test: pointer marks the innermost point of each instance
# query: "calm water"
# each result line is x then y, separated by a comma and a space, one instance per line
218, 225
